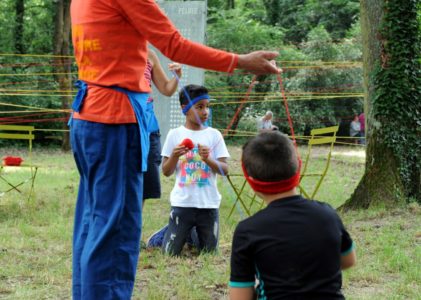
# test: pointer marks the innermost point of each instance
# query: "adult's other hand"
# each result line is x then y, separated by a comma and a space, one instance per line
258, 62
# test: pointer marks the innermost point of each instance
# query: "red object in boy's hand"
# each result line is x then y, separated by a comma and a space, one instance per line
12, 161
188, 143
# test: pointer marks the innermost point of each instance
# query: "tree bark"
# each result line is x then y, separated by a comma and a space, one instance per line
20, 12
381, 183
230, 4
62, 62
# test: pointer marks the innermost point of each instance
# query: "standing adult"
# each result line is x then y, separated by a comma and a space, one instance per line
109, 131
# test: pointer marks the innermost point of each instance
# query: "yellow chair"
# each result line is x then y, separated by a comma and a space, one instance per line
318, 137
242, 192
18, 132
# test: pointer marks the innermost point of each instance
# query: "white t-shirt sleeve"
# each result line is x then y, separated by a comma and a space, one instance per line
169, 144
220, 149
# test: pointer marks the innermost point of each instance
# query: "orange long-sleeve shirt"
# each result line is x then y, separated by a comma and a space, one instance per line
110, 44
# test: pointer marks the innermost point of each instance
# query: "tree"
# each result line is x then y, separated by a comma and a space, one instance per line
62, 52
20, 12
392, 81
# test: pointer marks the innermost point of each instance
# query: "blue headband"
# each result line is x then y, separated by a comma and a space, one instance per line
193, 102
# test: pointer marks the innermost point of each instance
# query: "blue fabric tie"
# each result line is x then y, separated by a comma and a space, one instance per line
80, 96
153, 125
144, 114
193, 102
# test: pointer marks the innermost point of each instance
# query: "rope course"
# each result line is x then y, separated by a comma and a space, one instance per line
29, 93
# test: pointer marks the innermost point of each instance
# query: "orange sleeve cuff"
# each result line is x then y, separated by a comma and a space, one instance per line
234, 63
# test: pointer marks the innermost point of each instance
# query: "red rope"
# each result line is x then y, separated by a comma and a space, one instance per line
291, 127
34, 121
234, 118
282, 89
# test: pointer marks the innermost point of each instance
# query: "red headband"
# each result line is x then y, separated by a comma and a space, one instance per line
273, 187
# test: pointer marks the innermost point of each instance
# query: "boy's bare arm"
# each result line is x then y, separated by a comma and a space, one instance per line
348, 260
242, 293
219, 166
170, 163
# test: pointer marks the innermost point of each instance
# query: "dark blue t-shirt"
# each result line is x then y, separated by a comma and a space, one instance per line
293, 248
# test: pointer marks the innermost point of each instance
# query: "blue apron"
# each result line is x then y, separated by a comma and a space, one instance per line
144, 114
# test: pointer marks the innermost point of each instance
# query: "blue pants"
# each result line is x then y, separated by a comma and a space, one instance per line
180, 225
108, 210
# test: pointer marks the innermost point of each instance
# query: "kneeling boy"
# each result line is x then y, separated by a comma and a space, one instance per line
195, 197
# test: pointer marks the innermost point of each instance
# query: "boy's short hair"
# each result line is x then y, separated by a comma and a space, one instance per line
193, 90
270, 156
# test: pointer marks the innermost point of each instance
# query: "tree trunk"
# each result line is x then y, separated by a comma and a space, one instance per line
230, 4
62, 60
20, 12
382, 182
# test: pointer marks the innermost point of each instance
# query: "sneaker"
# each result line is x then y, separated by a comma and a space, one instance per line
157, 238
192, 239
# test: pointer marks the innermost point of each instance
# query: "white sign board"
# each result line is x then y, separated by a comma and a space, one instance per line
190, 19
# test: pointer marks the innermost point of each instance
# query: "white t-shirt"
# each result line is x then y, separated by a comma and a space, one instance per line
264, 124
355, 128
195, 183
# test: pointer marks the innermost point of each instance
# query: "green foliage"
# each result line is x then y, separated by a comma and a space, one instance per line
397, 83
250, 26
7, 26
28, 92
37, 28
21, 86
337, 16
298, 17
244, 29
39, 23
323, 78
237, 30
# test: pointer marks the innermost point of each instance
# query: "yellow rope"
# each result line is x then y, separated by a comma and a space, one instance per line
35, 111
323, 66
39, 91
296, 99
288, 93
283, 61
38, 74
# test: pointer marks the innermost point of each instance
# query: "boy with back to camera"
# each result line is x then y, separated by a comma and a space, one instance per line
195, 198
294, 248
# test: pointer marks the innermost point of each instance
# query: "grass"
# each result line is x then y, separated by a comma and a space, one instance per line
35, 237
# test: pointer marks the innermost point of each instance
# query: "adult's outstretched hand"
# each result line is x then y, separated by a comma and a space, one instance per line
258, 62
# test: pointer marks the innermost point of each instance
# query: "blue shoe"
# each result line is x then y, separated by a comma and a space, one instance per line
157, 238
192, 239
